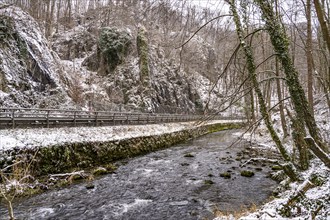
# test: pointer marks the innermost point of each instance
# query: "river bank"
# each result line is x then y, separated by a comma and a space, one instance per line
181, 182
82, 148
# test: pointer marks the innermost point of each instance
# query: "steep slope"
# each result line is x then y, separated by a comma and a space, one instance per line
28, 68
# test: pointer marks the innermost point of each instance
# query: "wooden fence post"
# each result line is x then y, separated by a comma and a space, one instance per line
47, 118
13, 118
96, 118
75, 118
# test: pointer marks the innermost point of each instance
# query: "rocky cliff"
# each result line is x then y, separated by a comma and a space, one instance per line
104, 68
29, 74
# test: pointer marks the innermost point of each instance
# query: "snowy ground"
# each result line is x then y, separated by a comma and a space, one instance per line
28, 138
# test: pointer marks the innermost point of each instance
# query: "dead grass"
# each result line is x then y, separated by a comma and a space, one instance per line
229, 215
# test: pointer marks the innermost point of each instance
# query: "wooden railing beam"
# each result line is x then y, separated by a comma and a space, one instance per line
19, 118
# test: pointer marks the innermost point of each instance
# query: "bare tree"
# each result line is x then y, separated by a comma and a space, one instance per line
309, 56
323, 23
279, 40
251, 67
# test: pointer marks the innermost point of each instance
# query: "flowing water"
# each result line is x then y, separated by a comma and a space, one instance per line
166, 184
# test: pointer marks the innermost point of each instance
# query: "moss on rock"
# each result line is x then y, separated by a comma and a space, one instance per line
3, 81
247, 173
276, 167
208, 182
142, 48
225, 175
113, 46
221, 127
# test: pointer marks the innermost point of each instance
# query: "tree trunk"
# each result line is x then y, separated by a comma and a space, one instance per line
10, 210
278, 88
69, 19
59, 4
318, 151
252, 72
49, 18
252, 108
279, 96
323, 22
280, 43
323, 75
298, 135
309, 56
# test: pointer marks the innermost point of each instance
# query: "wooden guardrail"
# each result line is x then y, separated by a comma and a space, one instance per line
25, 118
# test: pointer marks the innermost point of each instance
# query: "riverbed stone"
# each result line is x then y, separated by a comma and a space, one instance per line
90, 186
208, 182
276, 167
247, 173
225, 175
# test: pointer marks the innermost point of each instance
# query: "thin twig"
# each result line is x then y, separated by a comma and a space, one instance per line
255, 123
200, 28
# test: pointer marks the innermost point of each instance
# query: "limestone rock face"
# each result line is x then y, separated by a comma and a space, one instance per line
74, 43
28, 73
112, 47
170, 89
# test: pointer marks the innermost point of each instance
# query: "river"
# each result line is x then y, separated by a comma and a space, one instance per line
181, 182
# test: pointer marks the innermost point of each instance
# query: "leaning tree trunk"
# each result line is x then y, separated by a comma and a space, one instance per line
280, 43
323, 22
263, 108
318, 151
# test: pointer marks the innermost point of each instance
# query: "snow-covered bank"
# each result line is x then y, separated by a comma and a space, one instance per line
87, 148
315, 203
29, 138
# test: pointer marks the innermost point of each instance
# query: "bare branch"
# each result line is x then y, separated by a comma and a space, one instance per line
200, 28
5, 6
